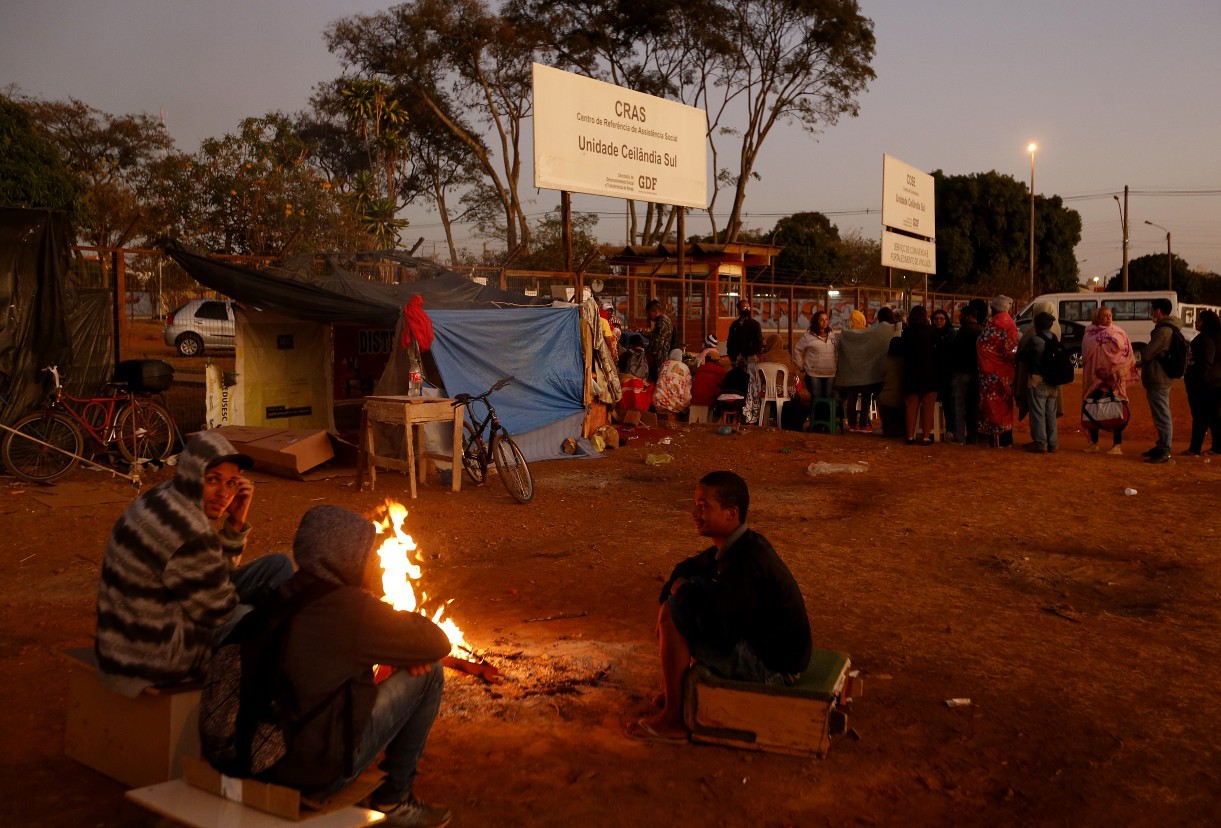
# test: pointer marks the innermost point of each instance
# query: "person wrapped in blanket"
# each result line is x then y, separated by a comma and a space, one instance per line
673, 392
997, 349
735, 608
1107, 360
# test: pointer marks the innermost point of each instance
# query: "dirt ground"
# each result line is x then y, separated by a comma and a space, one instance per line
1083, 624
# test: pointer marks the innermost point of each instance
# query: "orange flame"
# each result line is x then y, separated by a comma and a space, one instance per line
402, 573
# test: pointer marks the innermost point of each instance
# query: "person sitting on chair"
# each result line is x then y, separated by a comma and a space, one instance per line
735, 608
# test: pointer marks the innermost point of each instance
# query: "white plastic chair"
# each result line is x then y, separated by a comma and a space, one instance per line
775, 381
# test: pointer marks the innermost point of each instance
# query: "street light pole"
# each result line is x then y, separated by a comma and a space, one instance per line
1032, 149
1123, 221
1169, 258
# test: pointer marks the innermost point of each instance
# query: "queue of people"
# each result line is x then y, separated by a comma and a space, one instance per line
985, 375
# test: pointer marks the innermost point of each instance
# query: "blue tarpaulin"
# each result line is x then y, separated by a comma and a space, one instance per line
541, 347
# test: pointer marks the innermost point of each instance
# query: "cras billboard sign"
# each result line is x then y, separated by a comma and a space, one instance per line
598, 138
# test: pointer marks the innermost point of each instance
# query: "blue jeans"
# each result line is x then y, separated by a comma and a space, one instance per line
1043, 416
819, 386
399, 724
254, 582
1159, 407
965, 397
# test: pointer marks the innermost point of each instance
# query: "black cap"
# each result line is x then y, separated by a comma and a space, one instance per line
243, 461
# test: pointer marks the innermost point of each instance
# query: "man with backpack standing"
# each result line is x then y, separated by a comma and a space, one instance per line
1164, 359
1048, 367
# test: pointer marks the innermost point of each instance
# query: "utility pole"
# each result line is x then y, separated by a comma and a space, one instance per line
1123, 215
1169, 257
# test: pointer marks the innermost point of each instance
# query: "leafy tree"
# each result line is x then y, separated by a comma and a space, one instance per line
859, 260
114, 156
811, 248
1207, 287
468, 66
259, 192
441, 164
983, 234
1149, 273
803, 61
547, 248
31, 172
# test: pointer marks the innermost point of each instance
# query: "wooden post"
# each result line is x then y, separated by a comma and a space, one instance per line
566, 229
682, 273
120, 302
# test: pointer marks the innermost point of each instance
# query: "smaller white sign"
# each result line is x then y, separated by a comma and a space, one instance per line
907, 253
907, 198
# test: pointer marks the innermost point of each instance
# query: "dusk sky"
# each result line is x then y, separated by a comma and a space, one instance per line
1114, 93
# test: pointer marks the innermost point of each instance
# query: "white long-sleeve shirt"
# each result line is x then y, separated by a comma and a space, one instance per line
817, 356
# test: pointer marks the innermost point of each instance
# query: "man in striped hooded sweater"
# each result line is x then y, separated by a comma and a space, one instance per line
170, 584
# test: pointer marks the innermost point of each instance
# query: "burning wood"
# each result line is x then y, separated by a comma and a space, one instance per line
402, 581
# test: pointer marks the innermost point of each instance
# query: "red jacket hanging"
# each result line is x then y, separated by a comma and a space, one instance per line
417, 326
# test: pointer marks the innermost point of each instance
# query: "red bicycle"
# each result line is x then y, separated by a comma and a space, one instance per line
47, 444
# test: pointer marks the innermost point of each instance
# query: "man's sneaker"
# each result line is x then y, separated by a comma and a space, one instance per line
1151, 452
412, 813
1160, 457
1036, 448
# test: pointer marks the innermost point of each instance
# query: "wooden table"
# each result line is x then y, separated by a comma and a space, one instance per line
413, 413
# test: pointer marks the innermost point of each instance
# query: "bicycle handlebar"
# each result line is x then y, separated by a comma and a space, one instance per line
466, 399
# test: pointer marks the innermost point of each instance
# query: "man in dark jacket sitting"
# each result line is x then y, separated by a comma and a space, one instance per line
735, 607
330, 647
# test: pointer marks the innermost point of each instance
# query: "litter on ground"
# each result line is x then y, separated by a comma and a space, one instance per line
823, 467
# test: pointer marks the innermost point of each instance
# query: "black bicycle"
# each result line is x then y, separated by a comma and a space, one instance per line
510, 464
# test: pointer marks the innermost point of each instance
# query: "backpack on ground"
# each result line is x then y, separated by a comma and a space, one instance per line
1174, 360
244, 726
1057, 366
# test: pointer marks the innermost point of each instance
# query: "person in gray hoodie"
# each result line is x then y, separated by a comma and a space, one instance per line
345, 720
1153, 377
171, 586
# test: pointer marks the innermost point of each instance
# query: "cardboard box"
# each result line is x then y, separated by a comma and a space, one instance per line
140, 741
275, 799
288, 452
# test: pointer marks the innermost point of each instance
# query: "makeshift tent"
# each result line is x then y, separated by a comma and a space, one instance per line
292, 372
49, 318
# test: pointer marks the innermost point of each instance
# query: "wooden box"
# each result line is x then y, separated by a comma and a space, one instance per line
139, 741
793, 719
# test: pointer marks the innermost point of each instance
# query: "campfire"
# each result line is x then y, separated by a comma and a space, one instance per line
402, 582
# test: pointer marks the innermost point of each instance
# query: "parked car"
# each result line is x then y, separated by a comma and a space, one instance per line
201, 324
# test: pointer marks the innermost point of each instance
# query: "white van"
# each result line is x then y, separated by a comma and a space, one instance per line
1129, 310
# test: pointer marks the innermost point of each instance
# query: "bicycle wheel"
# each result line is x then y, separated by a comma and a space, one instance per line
38, 463
512, 468
474, 456
145, 431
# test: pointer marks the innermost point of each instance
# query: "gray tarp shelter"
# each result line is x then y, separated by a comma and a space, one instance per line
49, 316
482, 334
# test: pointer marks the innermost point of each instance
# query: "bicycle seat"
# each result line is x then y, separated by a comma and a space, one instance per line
460, 399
